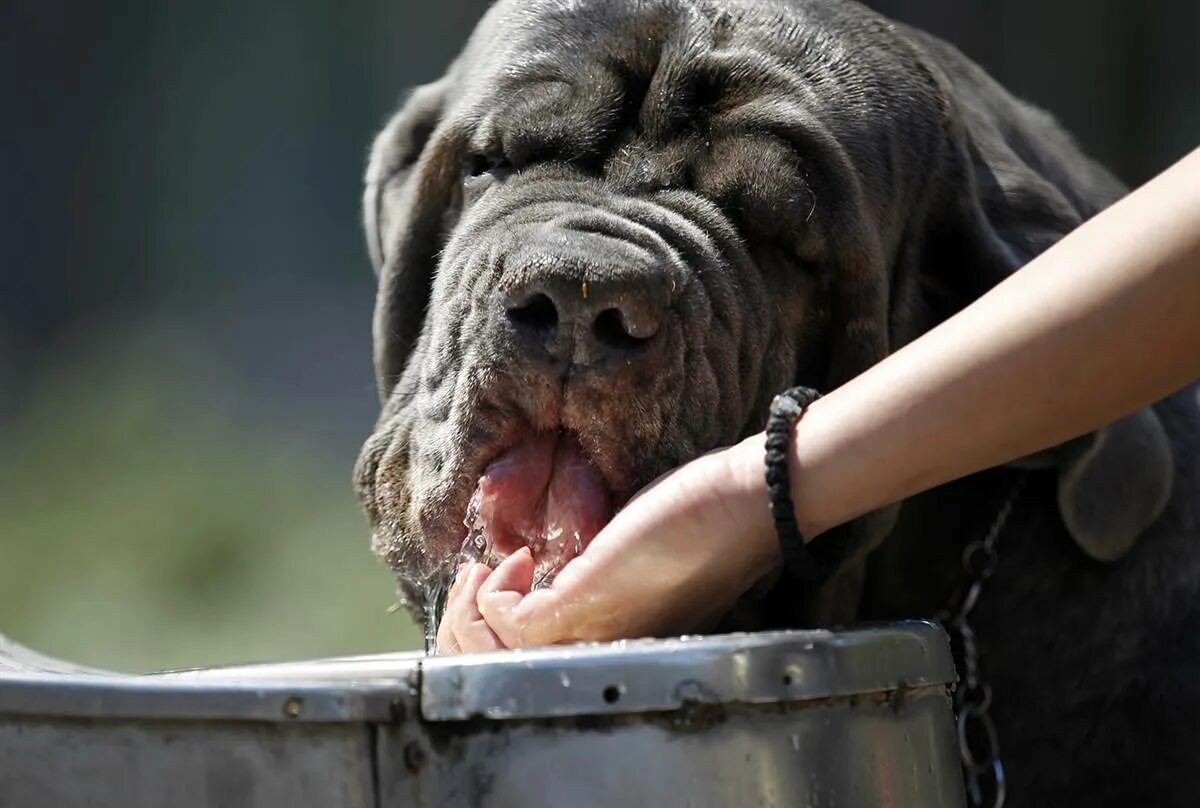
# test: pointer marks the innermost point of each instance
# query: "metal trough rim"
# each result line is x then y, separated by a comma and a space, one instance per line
594, 679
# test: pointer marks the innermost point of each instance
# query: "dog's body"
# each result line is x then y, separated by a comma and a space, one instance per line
669, 211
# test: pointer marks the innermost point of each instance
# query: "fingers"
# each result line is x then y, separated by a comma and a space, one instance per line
488, 610
518, 616
463, 629
447, 642
676, 555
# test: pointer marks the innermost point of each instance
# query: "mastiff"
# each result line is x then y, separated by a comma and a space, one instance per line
616, 228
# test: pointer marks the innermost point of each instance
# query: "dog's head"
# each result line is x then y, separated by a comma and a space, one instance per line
614, 230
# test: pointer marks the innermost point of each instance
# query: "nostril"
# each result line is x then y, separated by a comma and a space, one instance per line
538, 313
610, 330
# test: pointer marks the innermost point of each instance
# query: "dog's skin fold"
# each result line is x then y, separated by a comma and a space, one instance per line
749, 195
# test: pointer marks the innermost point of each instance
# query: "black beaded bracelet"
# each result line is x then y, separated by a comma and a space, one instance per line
786, 409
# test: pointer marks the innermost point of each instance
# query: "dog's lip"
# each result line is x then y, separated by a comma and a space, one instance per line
488, 456
449, 530
544, 494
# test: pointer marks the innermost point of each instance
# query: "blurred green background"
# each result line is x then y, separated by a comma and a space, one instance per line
185, 300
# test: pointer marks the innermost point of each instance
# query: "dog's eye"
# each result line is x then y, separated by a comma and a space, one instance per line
479, 166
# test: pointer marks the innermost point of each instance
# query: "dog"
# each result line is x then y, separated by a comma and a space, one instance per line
616, 228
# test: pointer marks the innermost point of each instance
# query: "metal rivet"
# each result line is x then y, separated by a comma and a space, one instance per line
414, 757
291, 707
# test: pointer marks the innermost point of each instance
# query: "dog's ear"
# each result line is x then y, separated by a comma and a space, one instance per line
393, 157
1112, 483
1018, 186
409, 187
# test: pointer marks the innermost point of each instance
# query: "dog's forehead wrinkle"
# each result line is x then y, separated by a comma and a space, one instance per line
687, 57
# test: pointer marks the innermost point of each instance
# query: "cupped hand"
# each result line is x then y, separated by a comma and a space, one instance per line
463, 629
673, 560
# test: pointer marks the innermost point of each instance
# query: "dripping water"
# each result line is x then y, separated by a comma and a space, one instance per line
436, 589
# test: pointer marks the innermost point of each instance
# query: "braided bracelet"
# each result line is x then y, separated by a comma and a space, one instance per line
786, 409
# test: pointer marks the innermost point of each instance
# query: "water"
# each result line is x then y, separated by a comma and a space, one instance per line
552, 553
475, 546
436, 589
551, 549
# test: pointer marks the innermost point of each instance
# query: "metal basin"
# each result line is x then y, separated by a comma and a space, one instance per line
860, 717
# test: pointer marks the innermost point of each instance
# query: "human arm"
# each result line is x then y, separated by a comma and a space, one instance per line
1102, 323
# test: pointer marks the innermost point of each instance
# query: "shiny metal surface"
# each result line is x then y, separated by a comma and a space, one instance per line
65, 763
847, 718
369, 668
149, 698
857, 752
651, 675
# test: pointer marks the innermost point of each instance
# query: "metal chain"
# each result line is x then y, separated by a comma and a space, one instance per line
978, 743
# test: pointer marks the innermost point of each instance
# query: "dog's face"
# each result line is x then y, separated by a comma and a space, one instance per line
614, 230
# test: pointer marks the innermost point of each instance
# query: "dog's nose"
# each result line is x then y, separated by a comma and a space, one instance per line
586, 320
586, 311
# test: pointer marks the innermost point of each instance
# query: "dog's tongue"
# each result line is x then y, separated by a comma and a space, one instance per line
543, 494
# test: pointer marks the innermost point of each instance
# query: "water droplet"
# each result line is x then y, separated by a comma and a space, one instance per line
435, 604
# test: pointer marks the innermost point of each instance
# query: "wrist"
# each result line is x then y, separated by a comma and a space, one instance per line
745, 462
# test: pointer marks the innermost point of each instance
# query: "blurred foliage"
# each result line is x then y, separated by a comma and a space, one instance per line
142, 529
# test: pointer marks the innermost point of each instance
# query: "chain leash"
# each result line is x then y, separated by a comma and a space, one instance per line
978, 743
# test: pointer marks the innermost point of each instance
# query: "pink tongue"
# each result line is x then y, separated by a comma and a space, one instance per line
543, 494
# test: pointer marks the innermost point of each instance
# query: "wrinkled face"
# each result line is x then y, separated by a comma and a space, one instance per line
605, 240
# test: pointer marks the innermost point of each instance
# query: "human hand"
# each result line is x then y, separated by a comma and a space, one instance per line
673, 560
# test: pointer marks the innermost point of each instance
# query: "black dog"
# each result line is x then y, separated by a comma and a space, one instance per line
614, 230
